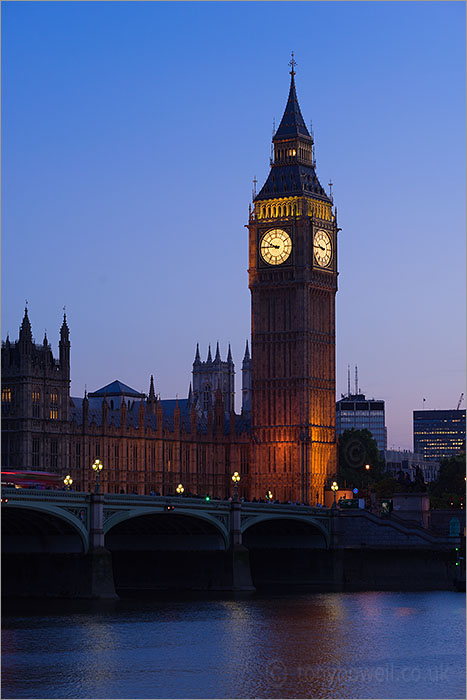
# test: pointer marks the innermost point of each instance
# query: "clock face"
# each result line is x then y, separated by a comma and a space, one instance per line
275, 246
322, 248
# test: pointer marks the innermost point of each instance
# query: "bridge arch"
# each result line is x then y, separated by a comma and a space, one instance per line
50, 521
172, 516
280, 519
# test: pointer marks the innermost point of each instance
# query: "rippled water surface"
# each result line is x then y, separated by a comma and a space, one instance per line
335, 645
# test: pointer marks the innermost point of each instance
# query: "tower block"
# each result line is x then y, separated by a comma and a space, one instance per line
293, 283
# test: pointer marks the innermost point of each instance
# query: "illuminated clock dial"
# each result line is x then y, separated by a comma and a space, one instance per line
275, 246
322, 248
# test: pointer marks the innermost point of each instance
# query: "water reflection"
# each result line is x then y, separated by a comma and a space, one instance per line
322, 645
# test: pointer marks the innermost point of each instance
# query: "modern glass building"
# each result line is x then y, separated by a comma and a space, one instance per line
439, 434
358, 412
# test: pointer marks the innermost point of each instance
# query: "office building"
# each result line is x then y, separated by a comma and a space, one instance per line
438, 434
357, 412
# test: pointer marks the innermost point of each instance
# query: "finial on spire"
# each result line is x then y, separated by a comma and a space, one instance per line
255, 182
292, 63
330, 190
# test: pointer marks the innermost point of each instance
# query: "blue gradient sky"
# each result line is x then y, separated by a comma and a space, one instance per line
131, 133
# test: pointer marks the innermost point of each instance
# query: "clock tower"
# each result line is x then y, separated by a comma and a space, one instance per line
293, 282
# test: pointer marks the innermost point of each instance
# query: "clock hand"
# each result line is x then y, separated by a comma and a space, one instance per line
320, 246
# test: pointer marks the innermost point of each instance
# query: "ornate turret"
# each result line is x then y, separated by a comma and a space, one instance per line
293, 167
246, 381
152, 396
85, 410
25, 333
210, 374
64, 346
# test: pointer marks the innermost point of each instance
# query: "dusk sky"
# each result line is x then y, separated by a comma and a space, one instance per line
131, 134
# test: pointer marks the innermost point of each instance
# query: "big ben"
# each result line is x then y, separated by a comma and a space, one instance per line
293, 283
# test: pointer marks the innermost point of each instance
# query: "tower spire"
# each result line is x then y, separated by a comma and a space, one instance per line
25, 332
152, 393
292, 123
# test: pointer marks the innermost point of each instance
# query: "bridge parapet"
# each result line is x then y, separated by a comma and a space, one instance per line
356, 529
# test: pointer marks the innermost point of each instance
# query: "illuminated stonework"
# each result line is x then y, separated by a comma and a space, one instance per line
293, 324
288, 207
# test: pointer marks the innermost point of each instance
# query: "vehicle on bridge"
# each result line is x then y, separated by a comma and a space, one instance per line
31, 479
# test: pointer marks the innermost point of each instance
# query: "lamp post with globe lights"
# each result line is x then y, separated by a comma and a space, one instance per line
97, 467
334, 488
236, 479
68, 482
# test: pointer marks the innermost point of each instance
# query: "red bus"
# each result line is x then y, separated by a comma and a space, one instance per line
31, 480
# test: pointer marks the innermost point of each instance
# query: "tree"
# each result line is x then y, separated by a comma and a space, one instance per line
448, 490
357, 448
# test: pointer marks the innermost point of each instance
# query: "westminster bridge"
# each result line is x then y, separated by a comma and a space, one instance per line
76, 544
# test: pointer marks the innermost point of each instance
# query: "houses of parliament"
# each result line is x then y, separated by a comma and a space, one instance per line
283, 441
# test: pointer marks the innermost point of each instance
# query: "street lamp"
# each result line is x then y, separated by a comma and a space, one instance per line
180, 489
68, 482
367, 467
334, 488
97, 466
269, 495
236, 479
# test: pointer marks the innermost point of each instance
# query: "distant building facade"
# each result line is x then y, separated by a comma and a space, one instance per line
406, 463
146, 445
358, 412
438, 434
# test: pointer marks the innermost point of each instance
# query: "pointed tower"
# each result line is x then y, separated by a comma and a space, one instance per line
293, 282
25, 337
246, 381
64, 347
208, 375
152, 396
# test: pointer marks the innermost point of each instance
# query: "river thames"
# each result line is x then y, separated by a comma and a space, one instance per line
326, 645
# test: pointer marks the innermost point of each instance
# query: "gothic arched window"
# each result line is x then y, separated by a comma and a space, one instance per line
54, 405
36, 402
206, 397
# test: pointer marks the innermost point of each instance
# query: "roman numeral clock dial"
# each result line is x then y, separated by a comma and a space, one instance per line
275, 246
322, 248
